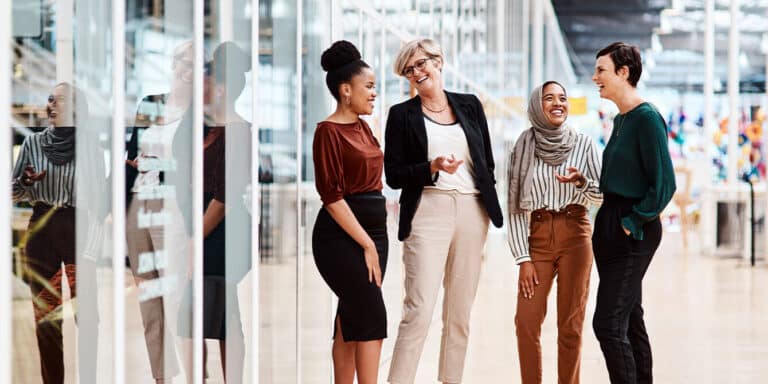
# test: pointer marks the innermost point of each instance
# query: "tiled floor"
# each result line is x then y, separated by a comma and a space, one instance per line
706, 316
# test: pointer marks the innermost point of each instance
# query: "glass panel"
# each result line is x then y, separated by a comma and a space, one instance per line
317, 304
277, 183
61, 118
228, 109
159, 115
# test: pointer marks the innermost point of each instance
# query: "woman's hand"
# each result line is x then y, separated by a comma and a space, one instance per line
29, 176
447, 164
574, 176
626, 231
528, 279
372, 263
133, 163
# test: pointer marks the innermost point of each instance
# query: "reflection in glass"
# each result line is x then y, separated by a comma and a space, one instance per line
226, 219
44, 176
156, 239
158, 170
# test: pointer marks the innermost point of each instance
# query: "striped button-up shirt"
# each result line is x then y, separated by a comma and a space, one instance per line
57, 188
550, 194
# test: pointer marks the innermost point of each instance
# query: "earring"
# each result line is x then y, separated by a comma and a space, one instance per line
347, 100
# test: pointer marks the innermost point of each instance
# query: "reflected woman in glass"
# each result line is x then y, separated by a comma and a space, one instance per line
226, 222
553, 177
153, 247
349, 239
438, 151
44, 176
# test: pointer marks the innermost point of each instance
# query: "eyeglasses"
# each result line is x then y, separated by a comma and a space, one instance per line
419, 64
53, 99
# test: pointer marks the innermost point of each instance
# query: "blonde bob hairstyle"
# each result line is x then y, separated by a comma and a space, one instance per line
428, 46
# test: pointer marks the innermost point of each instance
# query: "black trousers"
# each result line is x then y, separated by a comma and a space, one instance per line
621, 265
51, 245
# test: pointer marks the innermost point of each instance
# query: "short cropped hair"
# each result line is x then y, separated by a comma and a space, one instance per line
625, 54
428, 46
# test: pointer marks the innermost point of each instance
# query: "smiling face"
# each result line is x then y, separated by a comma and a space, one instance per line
610, 82
423, 72
555, 104
60, 107
360, 91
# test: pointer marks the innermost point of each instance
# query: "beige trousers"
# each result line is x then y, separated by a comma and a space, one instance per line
157, 335
446, 244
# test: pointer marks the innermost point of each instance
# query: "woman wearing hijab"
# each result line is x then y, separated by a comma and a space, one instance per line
549, 230
45, 176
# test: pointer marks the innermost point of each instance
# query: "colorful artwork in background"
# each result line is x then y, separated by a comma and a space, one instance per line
751, 163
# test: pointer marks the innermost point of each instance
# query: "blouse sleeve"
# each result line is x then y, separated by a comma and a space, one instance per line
591, 189
517, 237
329, 170
20, 191
657, 163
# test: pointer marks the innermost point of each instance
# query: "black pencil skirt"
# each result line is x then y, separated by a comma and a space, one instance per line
341, 263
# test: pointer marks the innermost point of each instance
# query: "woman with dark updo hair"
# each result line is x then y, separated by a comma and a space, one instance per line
349, 240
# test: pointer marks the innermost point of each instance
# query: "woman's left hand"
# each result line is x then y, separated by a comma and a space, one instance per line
626, 231
574, 176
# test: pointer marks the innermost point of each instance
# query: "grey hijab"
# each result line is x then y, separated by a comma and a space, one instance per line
549, 143
58, 144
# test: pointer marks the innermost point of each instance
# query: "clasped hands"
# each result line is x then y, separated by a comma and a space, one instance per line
444, 163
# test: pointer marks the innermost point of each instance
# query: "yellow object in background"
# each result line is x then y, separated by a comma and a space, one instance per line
577, 105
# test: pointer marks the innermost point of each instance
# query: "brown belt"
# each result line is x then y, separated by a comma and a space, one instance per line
573, 210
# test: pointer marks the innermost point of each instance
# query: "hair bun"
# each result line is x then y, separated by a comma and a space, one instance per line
338, 55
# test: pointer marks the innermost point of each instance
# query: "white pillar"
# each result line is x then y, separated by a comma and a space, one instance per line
118, 187
226, 21
382, 81
733, 94
456, 37
5, 194
525, 68
500, 46
198, 35
431, 21
299, 184
537, 43
255, 327
709, 69
65, 13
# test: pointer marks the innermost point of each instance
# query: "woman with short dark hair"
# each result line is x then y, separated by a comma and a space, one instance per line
637, 181
349, 240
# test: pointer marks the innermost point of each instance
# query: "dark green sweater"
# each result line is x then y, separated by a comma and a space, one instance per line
636, 164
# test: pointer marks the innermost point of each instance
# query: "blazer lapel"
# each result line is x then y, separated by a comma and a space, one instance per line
416, 120
463, 112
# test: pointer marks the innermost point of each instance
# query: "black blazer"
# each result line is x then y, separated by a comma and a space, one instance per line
406, 164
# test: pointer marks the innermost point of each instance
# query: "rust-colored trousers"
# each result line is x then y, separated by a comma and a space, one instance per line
561, 248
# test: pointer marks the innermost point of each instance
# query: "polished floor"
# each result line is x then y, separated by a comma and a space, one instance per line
707, 317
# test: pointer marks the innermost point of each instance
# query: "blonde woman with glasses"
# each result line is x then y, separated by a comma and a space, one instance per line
438, 151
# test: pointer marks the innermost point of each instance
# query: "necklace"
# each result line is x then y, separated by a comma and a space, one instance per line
435, 110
